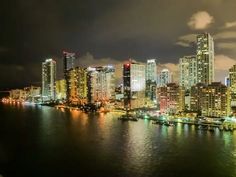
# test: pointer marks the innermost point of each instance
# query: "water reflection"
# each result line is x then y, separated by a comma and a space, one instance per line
45, 141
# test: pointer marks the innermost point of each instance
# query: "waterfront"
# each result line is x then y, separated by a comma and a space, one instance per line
44, 141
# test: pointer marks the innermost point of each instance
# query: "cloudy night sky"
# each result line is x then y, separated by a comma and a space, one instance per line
109, 32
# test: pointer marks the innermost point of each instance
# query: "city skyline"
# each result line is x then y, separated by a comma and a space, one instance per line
111, 33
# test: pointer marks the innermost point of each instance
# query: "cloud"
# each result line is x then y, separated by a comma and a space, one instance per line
223, 62
222, 65
200, 20
186, 40
230, 24
225, 35
226, 45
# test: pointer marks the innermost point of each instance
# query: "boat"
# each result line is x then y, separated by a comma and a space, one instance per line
127, 117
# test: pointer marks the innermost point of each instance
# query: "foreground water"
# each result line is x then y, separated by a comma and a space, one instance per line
40, 141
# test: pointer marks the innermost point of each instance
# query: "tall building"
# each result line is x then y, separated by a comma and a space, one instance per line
188, 71
232, 76
151, 81
165, 77
209, 100
61, 89
48, 80
77, 85
205, 58
134, 83
101, 84
171, 98
68, 64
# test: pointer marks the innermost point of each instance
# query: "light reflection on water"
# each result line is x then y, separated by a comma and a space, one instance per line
55, 142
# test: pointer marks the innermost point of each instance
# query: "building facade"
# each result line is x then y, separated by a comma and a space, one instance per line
68, 64
171, 98
165, 77
49, 80
205, 58
134, 84
187, 71
151, 82
209, 100
101, 84
61, 89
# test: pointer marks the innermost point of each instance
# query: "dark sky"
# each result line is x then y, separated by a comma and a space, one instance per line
109, 31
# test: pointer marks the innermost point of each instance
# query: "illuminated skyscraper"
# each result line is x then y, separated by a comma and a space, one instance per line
151, 81
61, 89
165, 77
48, 80
205, 58
101, 84
134, 85
68, 64
77, 88
188, 71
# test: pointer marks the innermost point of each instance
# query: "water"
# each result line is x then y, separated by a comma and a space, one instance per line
45, 142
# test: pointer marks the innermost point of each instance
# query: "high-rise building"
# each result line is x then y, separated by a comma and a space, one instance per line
165, 77
232, 76
209, 100
151, 81
134, 83
101, 84
48, 80
77, 85
68, 64
171, 98
188, 71
205, 58
61, 89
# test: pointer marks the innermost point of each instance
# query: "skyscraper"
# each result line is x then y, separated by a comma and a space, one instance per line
134, 85
48, 80
165, 77
101, 84
151, 81
188, 71
205, 58
68, 64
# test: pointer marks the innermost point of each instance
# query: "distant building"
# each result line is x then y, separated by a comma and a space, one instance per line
61, 89
205, 58
151, 81
171, 98
188, 71
101, 84
134, 83
33, 93
227, 81
209, 100
49, 80
165, 77
18, 94
68, 64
